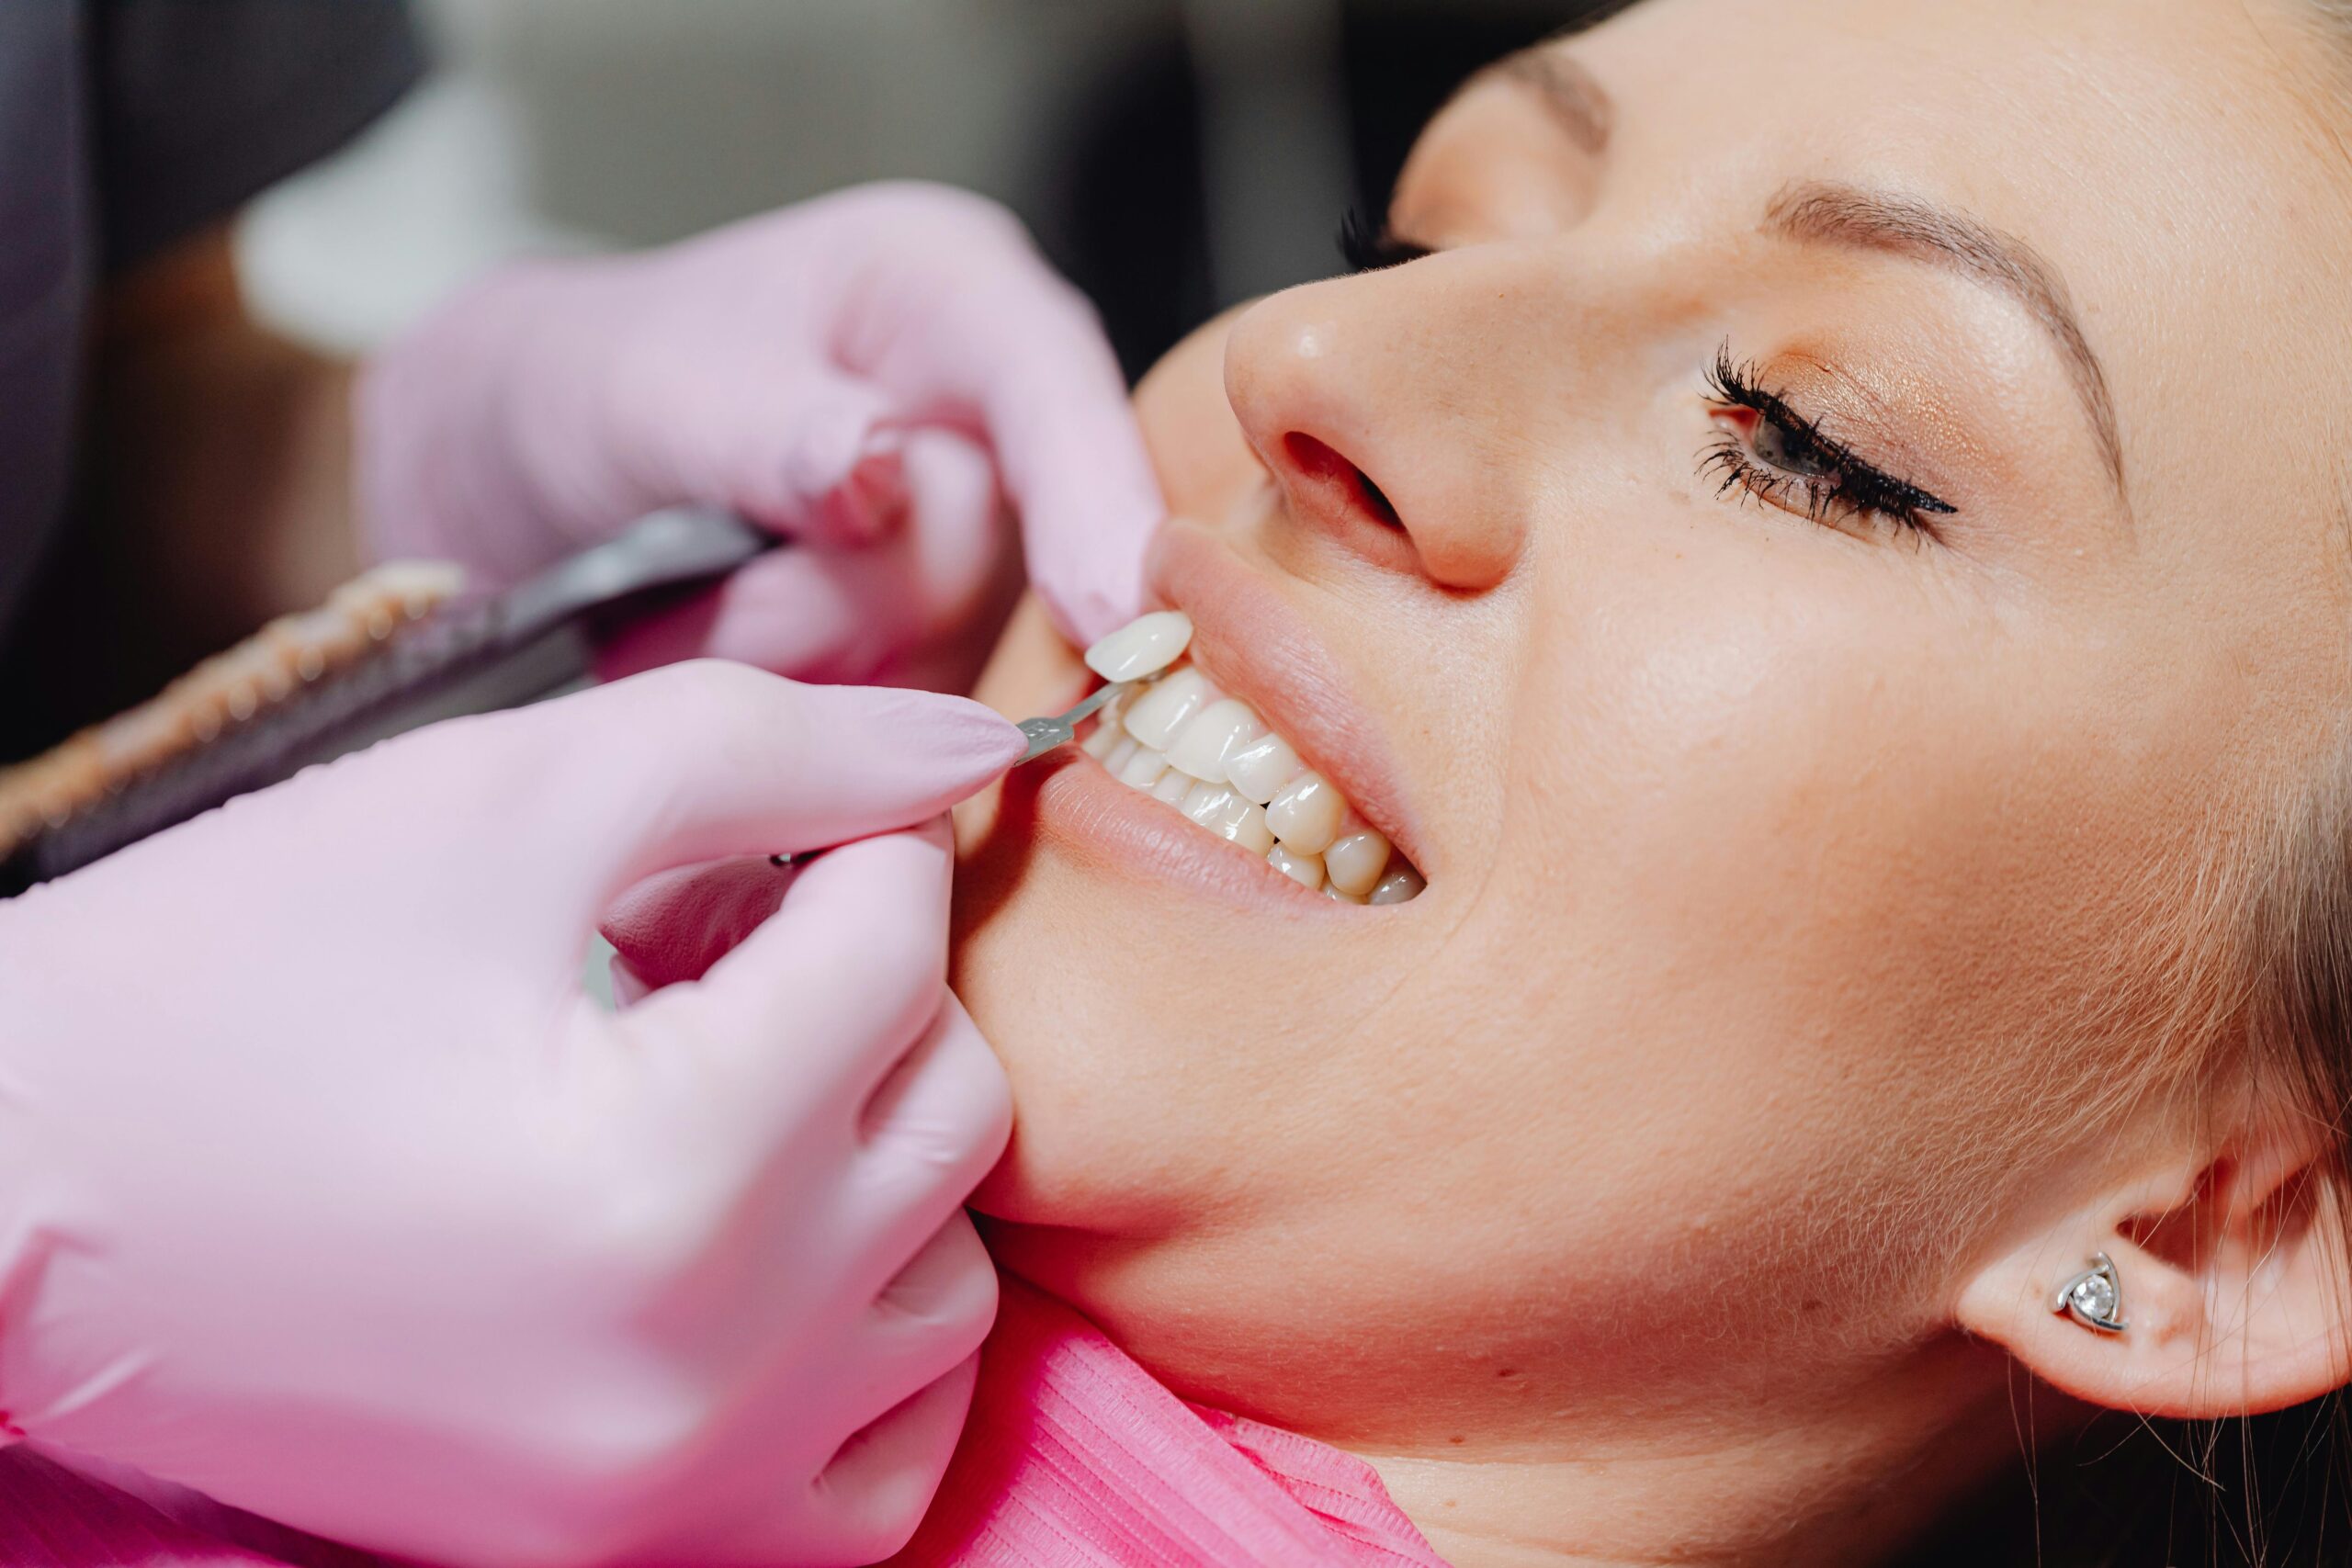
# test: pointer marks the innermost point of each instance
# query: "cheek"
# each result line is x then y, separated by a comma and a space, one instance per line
1817, 866
1205, 466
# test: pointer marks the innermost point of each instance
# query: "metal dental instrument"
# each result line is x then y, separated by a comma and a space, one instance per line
1051, 734
1044, 735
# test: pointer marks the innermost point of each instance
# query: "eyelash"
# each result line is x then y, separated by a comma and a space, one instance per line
1369, 249
1841, 485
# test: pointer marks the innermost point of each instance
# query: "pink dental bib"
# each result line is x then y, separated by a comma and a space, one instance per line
1075, 1457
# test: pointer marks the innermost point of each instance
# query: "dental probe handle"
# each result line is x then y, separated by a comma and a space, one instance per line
1053, 733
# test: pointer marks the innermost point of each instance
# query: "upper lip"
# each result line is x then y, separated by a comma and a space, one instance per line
1252, 644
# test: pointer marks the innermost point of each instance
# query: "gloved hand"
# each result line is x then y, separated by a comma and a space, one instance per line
325, 1191
783, 366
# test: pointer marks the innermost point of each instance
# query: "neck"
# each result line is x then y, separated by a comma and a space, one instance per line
1846, 1480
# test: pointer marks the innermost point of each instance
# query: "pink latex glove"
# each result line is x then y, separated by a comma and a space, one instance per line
324, 1190
787, 367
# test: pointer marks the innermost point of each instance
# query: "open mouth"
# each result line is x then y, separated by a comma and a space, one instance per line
1178, 738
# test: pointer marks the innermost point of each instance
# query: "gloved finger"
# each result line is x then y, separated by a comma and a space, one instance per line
934, 1126
945, 1295
809, 612
932, 1315
783, 1041
674, 925
861, 1503
1075, 465
804, 451
877, 1488
829, 615
1030, 362
711, 761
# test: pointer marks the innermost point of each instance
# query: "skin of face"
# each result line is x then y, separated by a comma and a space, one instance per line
1804, 891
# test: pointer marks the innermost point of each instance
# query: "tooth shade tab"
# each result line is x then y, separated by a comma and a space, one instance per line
1355, 860
1211, 735
1307, 816
1141, 648
1159, 713
1261, 768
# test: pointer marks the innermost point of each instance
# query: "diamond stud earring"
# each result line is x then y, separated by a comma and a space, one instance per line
2093, 1298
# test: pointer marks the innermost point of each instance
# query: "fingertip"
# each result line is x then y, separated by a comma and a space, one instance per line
1089, 564
871, 503
885, 1476
962, 739
828, 448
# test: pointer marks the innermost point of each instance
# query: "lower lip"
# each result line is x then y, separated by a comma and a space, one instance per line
1088, 815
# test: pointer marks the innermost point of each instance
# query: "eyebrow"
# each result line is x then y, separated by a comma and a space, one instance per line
1847, 215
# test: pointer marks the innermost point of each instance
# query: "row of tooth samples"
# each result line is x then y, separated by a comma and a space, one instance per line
223, 691
1184, 742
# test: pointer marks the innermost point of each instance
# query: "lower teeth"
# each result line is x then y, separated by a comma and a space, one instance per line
1216, 761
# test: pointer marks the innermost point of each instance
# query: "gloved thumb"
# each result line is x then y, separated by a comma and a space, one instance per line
1075, 465
710, 761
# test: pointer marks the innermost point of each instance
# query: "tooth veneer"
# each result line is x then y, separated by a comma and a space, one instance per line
1141, 648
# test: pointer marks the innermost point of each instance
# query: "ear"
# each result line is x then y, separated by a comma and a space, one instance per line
2234, 1291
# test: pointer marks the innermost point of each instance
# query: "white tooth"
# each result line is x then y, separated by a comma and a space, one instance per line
1173, 787
1304, 869
1114, 712
1098, 744
1210, 736
1260, 768
1339, 897
1307, 814
1122, 754
1143, 770
1141, 648
1161, 712
1398, 887
1226, 814
1355, 860
1207, 803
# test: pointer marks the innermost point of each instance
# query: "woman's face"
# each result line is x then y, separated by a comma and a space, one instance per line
1842, 536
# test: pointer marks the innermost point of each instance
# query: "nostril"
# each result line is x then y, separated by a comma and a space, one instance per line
1318, 461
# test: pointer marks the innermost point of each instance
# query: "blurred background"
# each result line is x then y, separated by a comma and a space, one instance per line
1171, 155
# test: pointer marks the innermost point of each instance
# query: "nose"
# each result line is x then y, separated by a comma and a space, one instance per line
1382, 405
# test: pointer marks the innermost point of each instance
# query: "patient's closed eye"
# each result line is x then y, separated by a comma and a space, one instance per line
1769, 451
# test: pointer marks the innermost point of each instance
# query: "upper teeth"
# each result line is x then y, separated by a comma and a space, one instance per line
1181, 740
